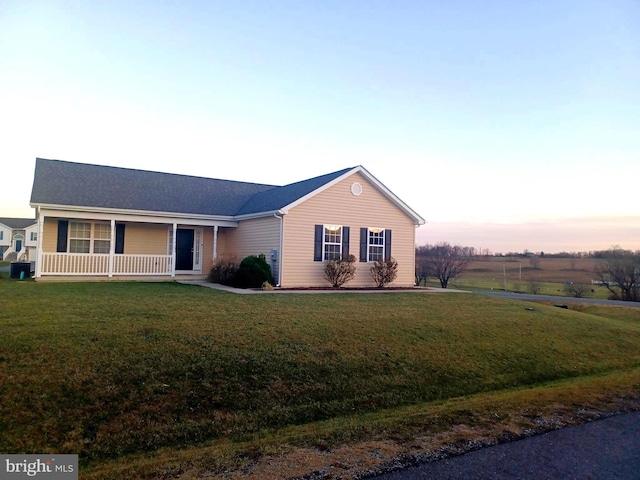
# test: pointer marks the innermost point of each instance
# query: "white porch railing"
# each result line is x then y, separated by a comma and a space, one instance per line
98, 264
142, 264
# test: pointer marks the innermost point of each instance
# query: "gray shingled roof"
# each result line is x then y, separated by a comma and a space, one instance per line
17, 223
277, 198
58, 182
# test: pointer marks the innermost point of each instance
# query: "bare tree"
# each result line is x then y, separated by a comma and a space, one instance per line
534, 261
534, 286
577, 290
447, 262
621, 276
422, 270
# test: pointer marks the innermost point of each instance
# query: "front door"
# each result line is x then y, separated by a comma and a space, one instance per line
184, 249
18, 245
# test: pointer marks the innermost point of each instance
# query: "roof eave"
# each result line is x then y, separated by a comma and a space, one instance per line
268, 213
120, 211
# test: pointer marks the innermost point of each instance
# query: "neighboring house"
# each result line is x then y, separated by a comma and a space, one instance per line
18, 239
116, 222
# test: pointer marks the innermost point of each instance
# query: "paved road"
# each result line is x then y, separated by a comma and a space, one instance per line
550, 298
606, 449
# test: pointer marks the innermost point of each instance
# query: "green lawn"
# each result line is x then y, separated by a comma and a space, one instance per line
119, 370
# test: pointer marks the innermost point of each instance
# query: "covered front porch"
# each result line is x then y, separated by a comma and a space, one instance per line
126, 246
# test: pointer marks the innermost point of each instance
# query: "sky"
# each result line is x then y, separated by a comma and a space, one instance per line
505, 125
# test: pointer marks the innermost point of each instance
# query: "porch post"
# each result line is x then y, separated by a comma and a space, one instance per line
215, 242
39, 245
173, 251
112, 246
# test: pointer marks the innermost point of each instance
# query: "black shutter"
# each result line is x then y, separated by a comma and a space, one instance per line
119, 238
317, 243
63, 228
387, 244
345, 242
364, 244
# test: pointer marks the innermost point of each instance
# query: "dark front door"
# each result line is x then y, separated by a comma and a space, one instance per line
184, 249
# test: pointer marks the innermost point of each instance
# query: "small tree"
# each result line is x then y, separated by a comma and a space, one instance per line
621, 276
338, 272
534, 286
384, 272
577, 290
447, 262
422, 271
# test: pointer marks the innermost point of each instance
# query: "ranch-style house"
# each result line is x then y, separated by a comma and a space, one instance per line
120, 223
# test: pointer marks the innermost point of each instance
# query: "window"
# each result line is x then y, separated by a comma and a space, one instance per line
375, 244
170, 242
332, 245
331, 242
102, 238
34, 236
1, 234
81, 238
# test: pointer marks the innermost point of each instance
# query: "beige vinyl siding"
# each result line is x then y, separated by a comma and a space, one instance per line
146, 239
338, 206
253, 237
49, 234
223, 235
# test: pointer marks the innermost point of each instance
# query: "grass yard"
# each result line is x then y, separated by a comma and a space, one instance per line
134, 376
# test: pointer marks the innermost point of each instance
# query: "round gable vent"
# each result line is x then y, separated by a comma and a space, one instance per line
356, 189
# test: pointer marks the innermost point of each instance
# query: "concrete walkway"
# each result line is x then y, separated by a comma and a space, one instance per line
250, 291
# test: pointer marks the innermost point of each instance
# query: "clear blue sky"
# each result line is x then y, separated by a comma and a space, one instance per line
506, 125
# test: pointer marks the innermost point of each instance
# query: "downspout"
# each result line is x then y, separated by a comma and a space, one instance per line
281, 242
40, 220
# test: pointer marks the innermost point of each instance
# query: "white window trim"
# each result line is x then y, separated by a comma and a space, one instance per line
324, 242
369, 244
92, 238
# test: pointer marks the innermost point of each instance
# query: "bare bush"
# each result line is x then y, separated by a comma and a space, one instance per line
339, 272
224, 270
384, 272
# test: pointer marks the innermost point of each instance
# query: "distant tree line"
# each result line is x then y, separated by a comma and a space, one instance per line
619, 271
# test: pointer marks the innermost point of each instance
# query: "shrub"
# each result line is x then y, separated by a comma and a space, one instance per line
253, 272
224, 270
339, 272
384, 272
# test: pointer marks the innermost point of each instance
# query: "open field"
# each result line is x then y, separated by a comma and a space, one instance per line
146, 380
517, 272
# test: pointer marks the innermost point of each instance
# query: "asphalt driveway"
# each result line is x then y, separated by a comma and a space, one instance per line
551, 298
605, 449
